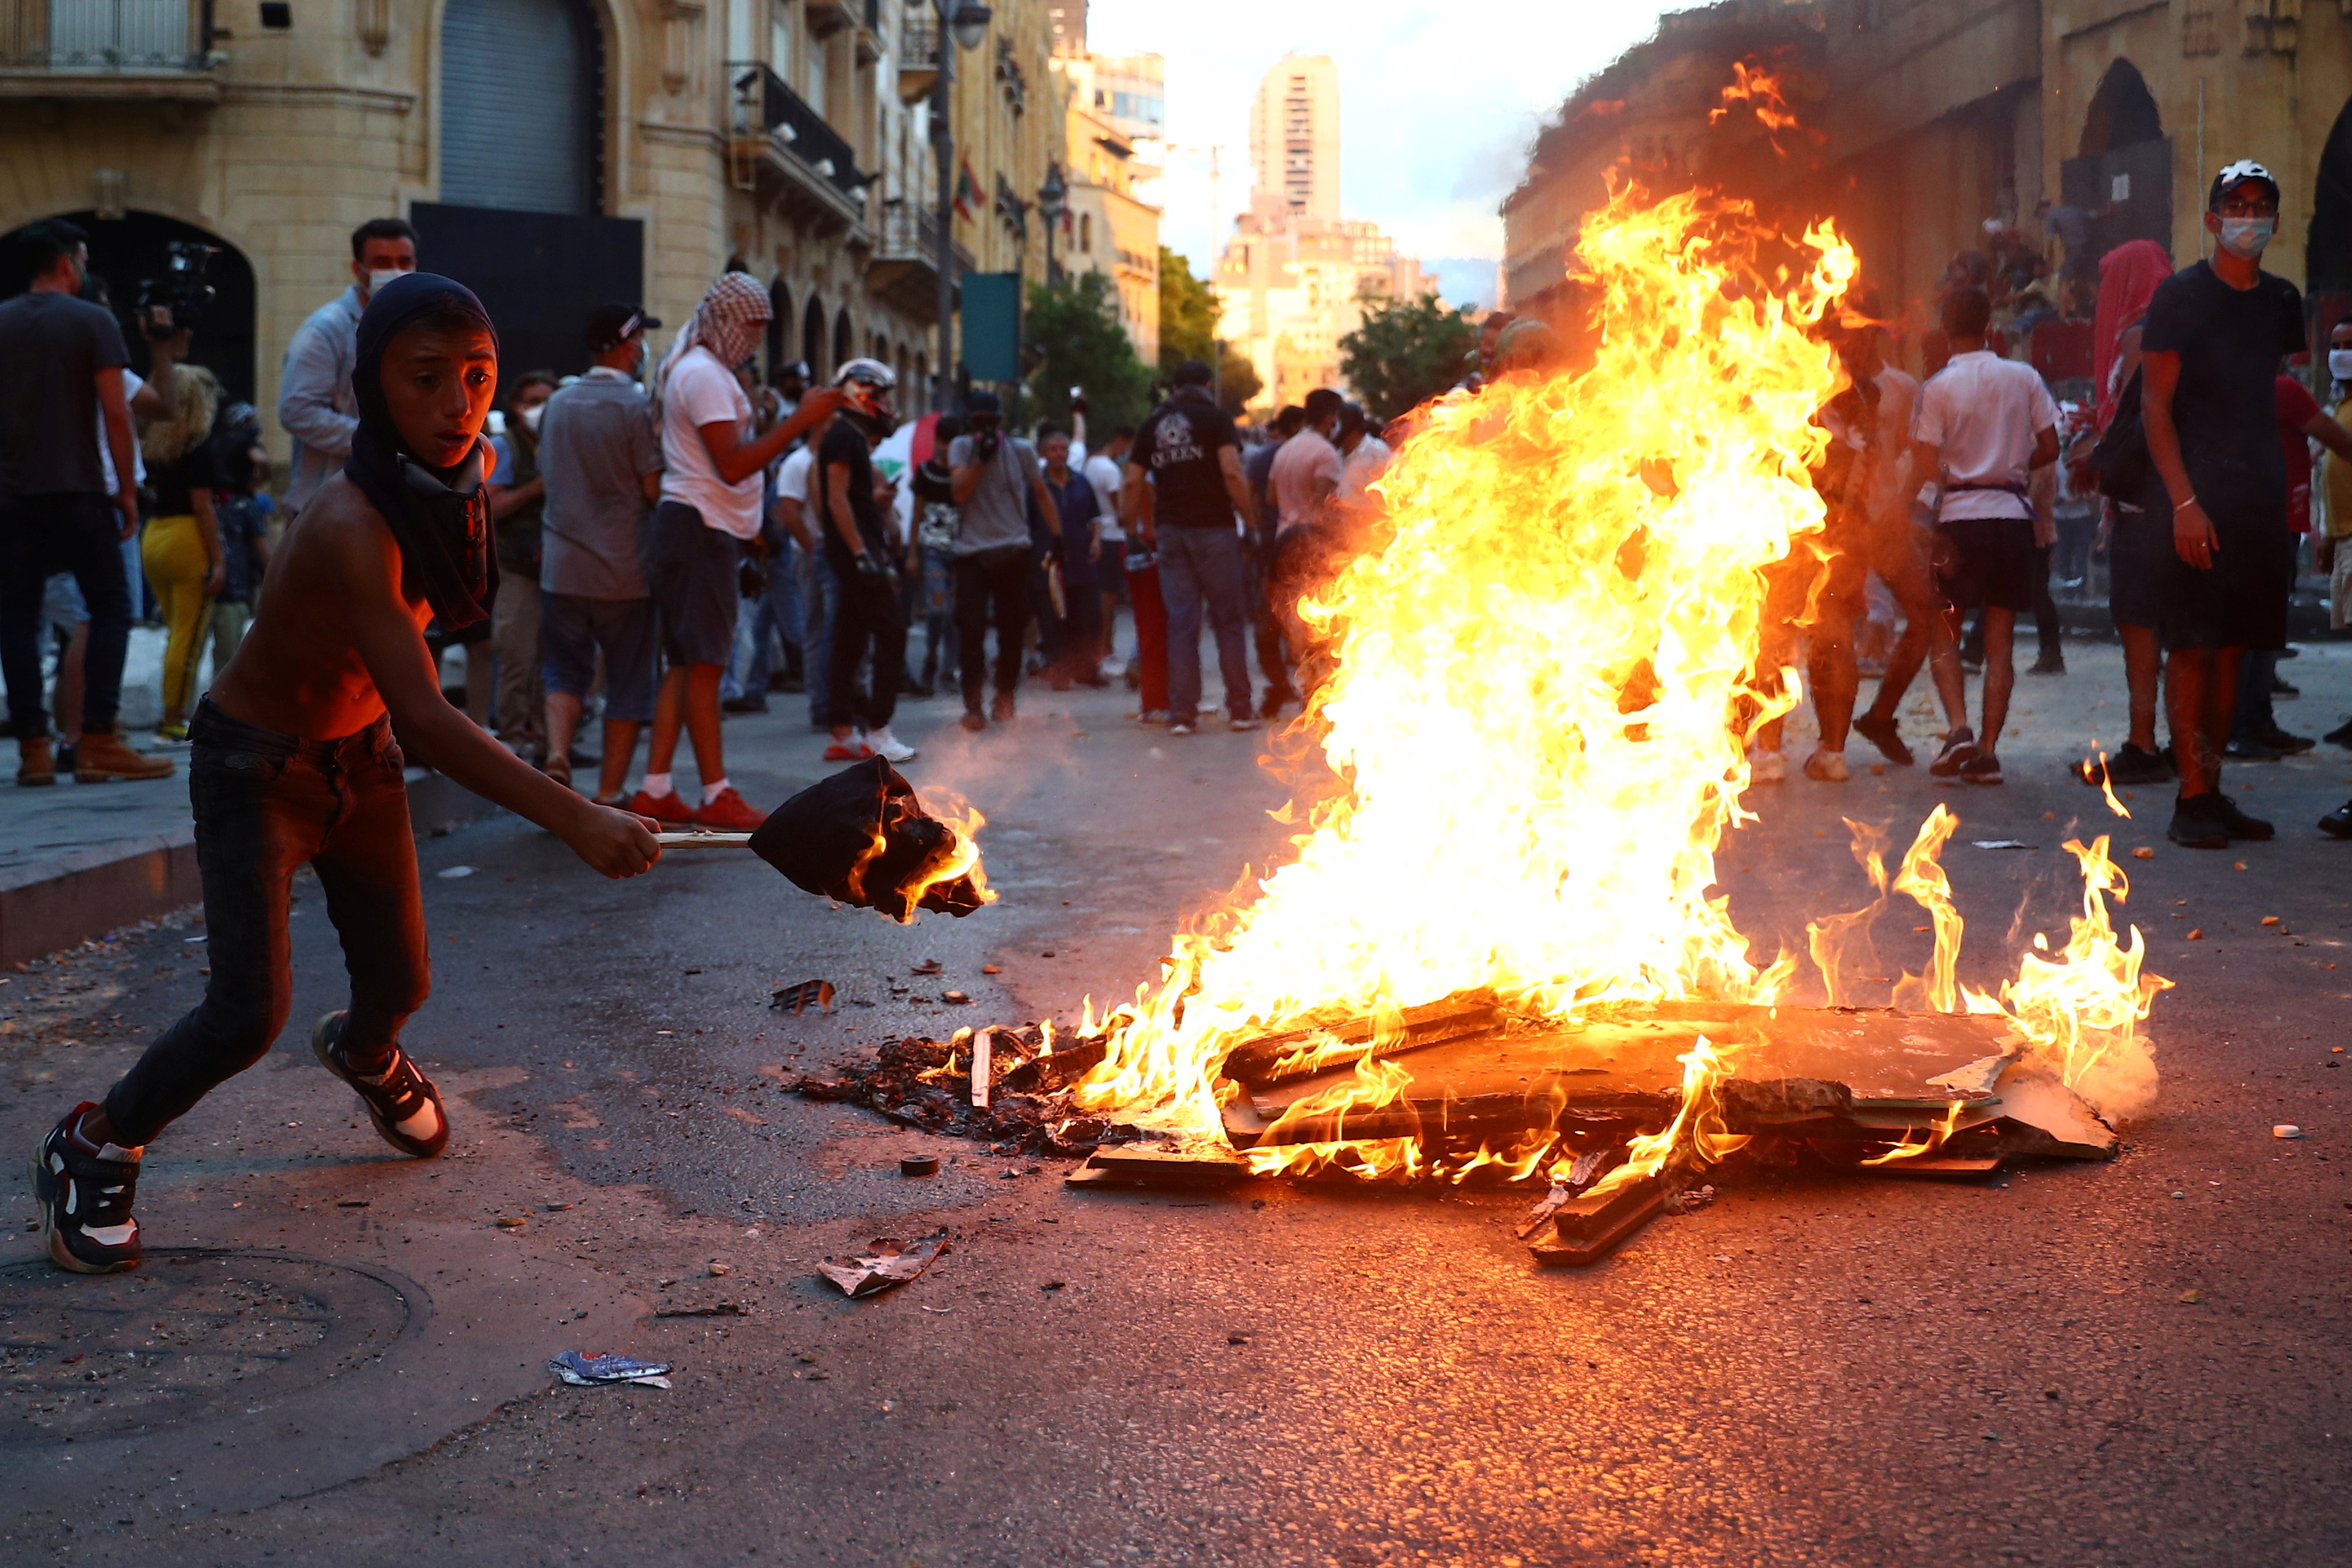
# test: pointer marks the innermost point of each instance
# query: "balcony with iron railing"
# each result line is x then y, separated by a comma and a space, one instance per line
905, 268
107, 48
781, 146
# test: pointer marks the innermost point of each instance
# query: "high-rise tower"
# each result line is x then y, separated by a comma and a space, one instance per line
1295, 138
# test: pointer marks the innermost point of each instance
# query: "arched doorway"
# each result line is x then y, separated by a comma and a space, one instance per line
779, 330
843, 340
2122, 174
522, 106
812, 342
127, 251
2327, 253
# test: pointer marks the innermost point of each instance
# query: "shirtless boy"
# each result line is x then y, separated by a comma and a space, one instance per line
295, 759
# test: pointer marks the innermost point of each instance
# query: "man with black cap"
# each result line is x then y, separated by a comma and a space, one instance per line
602, 464
1190, 453
2210, 358
295, 759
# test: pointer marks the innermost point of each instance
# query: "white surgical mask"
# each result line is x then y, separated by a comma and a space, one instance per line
530, 417
2247, 236
376, 280
2339, 364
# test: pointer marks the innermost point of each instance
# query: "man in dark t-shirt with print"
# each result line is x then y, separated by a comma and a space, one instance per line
61, 396
863, 554
1184, 487
2209, 357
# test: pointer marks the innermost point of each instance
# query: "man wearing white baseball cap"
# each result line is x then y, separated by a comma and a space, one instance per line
2215, 335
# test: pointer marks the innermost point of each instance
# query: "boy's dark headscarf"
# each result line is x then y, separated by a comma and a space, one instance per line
443, 528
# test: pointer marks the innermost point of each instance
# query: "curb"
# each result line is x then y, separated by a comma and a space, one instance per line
87, 892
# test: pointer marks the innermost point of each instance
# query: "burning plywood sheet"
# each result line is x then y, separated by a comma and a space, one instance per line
1792, 1071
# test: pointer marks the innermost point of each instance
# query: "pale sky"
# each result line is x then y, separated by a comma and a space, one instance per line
1437, 103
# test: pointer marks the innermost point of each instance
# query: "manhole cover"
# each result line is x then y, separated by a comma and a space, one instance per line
190, 1334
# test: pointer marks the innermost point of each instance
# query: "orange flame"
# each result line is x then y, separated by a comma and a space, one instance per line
1827, 938
1922, 877
1760, 91
1934, 1138
2081, 1010
1696, 1130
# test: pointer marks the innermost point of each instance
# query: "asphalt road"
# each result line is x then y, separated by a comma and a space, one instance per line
1816, 1370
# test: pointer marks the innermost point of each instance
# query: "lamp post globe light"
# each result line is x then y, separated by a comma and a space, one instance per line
966, 22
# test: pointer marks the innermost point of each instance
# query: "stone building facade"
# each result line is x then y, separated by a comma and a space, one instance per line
1939, 115
553, 154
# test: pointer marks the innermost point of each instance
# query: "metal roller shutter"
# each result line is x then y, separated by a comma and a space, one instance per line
515, 115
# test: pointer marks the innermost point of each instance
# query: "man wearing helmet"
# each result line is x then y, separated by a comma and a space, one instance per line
2209, 359
859, 547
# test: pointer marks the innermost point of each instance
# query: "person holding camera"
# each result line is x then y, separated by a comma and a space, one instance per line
62, 395
992, 478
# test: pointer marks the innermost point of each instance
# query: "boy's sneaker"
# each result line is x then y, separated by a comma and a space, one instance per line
1984, 768
1246, 722
1767, 767
1180, 727
668, 807
85, 1196
401, 1100
890, 747
1960, 747
851, 749
2238, 824
1886, 735
1827, 767
729, 813
2195, 824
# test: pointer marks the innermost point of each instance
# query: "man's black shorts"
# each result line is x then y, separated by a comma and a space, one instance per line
1985, 561
692, 570
2241, 601
2139, 542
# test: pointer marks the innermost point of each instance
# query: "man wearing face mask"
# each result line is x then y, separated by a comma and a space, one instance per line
315, 402
2209, 360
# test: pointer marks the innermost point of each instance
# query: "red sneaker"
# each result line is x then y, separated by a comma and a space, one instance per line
852, 750
729, 813
664, 808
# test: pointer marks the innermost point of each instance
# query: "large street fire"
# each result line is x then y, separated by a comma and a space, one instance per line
1543, 681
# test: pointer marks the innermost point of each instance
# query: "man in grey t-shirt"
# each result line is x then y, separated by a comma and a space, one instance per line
602, 464
993, 477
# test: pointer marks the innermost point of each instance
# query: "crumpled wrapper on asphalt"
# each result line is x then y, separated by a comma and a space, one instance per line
823, 840
891, 1263
586, 1369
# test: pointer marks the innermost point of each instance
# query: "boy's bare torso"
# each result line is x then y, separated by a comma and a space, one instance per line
336, 577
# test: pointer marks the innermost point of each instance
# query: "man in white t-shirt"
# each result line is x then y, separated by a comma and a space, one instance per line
820, 593
1362, 456
1103, 470
1305, 478
712, 472
1983, 424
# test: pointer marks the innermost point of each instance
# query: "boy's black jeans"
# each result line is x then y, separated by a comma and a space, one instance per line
264, 803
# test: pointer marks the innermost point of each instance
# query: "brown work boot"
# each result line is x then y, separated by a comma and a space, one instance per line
34, 762
103, 757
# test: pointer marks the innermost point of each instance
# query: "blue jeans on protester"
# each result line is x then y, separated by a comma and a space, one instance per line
777, 613
820, 606
1202, 567
40, 534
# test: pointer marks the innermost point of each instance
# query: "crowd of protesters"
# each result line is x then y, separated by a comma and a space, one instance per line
2184, 460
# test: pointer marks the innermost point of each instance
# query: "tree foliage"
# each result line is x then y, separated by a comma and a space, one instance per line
1188, 314
1075, 340
1237, 381
1406, 352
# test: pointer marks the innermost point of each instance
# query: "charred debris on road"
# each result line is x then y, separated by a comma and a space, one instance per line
1494, 1098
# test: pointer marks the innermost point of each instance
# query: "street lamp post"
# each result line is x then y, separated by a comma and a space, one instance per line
1052, 198
963, 25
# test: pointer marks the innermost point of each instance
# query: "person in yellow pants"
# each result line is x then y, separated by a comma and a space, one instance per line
181, 547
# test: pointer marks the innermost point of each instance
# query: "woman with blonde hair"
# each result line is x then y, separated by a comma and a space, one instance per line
180, 548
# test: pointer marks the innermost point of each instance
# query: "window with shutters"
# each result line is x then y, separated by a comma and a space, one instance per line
521, 121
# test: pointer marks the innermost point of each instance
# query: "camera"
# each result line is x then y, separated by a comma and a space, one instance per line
181, 291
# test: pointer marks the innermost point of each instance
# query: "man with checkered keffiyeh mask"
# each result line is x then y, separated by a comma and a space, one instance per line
710, 492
